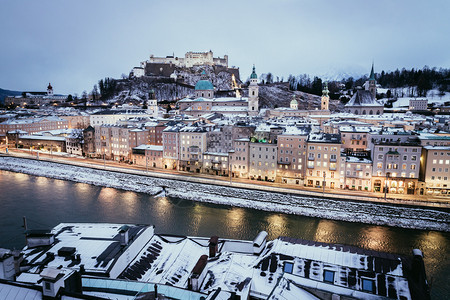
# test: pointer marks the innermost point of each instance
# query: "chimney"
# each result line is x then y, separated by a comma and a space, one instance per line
124, 239
213, 242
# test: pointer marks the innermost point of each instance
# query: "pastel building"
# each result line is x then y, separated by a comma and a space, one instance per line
323, 157
396, 166
434, 170
263, 161
292, 155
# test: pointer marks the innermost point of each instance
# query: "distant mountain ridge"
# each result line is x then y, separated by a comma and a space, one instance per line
5, 93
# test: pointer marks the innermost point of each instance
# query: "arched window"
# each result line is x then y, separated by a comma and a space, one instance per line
378, 112
253, 93
364, 112
356, 111
371, 112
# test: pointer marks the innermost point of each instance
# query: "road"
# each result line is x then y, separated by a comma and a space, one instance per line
400, 199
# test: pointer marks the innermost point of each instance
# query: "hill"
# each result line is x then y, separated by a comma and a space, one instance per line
279, 95
5, 93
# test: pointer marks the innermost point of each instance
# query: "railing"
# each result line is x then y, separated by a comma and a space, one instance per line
310, 158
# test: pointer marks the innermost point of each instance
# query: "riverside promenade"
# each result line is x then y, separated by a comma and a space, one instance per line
397, 199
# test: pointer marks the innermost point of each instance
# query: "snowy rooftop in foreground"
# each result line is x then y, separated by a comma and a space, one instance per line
235, 266
97, 244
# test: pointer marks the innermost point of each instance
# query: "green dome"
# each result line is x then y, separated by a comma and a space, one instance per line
253, 75
204, 85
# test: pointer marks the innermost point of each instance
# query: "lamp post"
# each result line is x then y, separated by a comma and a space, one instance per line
386, 186
323, 183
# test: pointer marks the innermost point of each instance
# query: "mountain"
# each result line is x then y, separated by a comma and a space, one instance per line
4, 93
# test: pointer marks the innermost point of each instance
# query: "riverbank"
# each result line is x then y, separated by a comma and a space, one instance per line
364, 212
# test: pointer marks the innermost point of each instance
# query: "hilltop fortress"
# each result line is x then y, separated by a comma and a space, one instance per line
190, 59
165, 66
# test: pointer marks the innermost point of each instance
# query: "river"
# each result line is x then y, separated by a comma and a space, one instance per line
48, 202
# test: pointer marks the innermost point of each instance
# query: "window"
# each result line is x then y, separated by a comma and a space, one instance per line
413, 158
368, 285
288, 267
328, 276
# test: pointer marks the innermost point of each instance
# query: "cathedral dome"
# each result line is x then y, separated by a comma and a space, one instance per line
204, 85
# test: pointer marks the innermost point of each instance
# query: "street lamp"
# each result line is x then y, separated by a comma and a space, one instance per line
323, 184
386, 186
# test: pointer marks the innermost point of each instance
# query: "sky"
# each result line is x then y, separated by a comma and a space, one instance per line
74, 44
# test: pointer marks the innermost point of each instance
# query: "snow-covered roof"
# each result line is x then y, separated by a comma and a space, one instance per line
43, 137
223, 108
149, 147
353, 159
97, 244
294, 130
363, 98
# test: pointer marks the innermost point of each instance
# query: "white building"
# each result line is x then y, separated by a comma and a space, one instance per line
418, 104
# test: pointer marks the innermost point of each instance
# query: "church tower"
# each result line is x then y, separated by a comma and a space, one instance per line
372, 84
152, 105
324, 101
253, 94
49, 90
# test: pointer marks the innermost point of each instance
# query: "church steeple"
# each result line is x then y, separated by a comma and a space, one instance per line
372, 86
253, 103
325, 98
372, 74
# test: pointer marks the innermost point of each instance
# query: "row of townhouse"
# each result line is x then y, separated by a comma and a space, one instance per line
367, 158
390, 163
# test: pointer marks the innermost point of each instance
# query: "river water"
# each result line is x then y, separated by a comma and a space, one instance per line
48, 202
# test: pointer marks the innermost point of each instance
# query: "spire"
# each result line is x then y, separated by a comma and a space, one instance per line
253, 75
372, 74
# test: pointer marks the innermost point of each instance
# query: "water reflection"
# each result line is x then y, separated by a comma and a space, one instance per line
162, 207
326, 231
129, 200
235, 220
375, 238
276, 226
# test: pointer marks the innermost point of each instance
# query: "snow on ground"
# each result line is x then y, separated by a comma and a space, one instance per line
433, 96
364, 212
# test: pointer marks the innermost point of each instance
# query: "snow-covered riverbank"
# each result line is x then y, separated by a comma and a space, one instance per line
406, 217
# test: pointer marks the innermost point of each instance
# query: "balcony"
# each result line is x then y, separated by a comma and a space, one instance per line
284, 162
310, 166
333, 168
333, 159
310, 157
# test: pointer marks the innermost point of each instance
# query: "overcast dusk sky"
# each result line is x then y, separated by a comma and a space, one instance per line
73, 44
